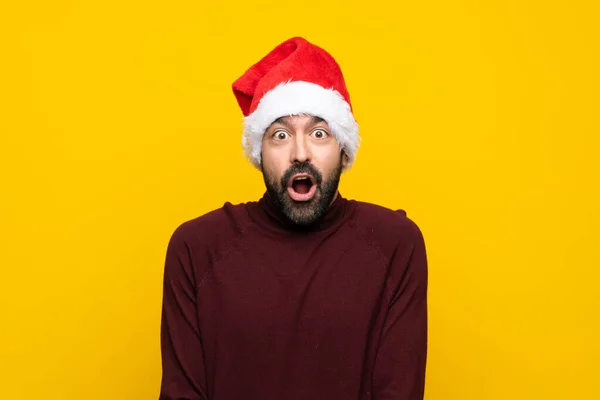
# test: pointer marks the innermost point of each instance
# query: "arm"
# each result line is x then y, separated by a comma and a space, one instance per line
399, 372
183, 375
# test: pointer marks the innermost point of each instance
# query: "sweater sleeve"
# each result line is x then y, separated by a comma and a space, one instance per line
399, 372
183, 374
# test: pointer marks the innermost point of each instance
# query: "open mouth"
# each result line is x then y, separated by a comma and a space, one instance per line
302, 187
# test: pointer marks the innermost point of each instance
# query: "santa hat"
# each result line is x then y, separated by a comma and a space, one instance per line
296, 77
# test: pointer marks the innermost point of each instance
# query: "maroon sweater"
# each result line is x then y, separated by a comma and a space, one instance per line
255, 309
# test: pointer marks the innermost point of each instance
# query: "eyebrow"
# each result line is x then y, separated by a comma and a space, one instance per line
313, 120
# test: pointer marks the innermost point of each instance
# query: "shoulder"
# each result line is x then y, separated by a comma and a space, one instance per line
382, 220
214, 229
385, 228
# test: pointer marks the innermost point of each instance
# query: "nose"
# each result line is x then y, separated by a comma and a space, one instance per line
301, 149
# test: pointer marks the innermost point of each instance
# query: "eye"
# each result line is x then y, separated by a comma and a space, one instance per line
320, 133
280, 135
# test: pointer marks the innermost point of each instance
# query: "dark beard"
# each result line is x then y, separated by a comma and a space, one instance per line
303, 214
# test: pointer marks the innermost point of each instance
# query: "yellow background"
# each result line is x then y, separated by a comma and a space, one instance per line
480, 118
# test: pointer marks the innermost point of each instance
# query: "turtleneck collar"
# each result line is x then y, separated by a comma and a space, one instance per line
267, 215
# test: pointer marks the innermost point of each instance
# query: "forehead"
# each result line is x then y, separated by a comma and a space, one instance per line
301, 120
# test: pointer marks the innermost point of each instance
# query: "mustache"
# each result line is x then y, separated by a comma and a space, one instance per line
301, 168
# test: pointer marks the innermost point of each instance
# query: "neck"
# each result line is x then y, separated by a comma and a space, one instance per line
272, 217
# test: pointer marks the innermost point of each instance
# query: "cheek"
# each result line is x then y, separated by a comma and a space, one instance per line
272, 165
327, 160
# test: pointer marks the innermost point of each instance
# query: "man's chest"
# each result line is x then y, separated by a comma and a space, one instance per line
317, 288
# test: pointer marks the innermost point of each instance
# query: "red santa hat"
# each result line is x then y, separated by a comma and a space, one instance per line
296, 77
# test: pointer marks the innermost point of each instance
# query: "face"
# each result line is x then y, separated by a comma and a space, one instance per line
301, 163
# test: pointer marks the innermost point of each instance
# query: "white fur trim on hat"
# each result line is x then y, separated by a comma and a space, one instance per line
299, 97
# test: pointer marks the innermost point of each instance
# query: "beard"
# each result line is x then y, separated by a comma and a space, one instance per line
306, 213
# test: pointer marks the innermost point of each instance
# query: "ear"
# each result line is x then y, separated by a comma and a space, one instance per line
345, 159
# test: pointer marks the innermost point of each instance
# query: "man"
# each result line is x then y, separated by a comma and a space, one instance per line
302, 294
